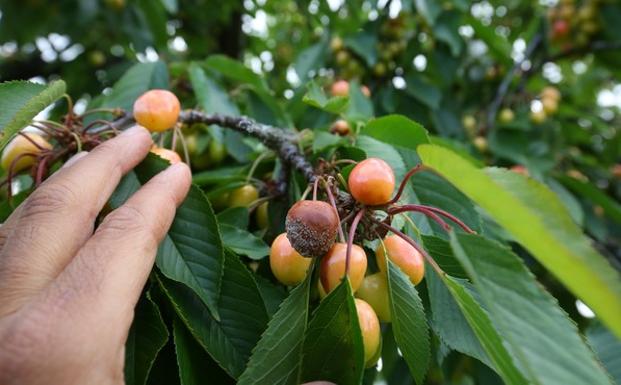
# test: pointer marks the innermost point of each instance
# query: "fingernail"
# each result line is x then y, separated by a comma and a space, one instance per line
75, 158
134, 130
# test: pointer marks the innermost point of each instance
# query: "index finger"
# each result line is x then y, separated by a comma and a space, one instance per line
58, 218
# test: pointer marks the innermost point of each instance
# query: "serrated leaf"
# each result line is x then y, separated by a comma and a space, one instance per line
244, 242
194, 363
316, 97
20, 101
234, 216
360, 106
396, 130
147, 336
540, 336
243, 316
276, 359
211, 97
192, 251
409, 323
364, 44
333, 348
607, 347
310, 58
491, 341
535, 217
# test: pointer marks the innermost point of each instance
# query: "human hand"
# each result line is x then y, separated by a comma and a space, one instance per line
67, 291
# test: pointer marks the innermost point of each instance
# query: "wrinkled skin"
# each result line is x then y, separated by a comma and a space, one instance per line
68, 290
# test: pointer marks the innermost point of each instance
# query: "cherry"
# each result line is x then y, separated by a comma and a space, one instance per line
560, 29
480, 143
332, 267
341, 127
538, 117
340, 88
470, 124
166, 154
157, 110
550, 106
519, 169
374, 290
616, 171
402, 254
261, 216
311, 227
372, 182
19, 147
243, 196
506, 115
370, 329
287, 265
550, 92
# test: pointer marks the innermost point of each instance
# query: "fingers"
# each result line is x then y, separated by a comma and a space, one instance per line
115, 263
49, 228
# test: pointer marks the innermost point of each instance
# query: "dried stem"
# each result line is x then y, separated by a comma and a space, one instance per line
327, 186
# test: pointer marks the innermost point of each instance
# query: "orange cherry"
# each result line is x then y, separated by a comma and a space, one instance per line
332, 267
166, 154
288, 266
372, 182
157, 110
404, 255
340, 88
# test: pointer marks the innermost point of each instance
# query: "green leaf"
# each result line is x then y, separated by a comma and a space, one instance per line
364, 44
536, 219
316, 97
408, 322
310, 58
429, 9
20, 101
243, 316
333, 348
192, 251
396, 130
276, 359
211, 97
194, 363
147, 336
497, 43
137, 80
234, 216
489, 338
607, 347
540, 336
423, 91
446, 30
244, 242
360, 107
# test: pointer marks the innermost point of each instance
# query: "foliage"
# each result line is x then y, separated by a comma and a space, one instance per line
462, 89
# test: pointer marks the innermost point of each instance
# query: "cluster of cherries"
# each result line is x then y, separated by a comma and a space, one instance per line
312, 227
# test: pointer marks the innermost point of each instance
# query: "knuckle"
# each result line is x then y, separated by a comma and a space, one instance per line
129, 221
49, 199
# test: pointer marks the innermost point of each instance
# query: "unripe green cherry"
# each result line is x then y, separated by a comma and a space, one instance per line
374, 290
243, 196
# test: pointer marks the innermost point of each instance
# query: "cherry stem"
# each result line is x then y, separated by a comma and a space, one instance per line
422, 210
327, 186
105, 123
40, 170
436, 210
405, 181
415, 245
256, 164
350, 241
33, 142
186, 154
173, 144
315, 185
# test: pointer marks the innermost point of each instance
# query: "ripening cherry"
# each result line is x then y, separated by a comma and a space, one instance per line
550, 92
560, 29
370, 330
550, 106
332, 267
341, 127
243, 196
287, 265
20, 146
261, 216
519, 169
157, 110
538, 116
311, 227
340, 88
374, 290
402, 254
171, 156
506, 115
372, 182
